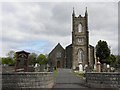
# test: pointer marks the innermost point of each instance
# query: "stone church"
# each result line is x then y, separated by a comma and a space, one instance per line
79, 53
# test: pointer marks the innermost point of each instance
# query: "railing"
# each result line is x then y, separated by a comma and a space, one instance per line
103, 79
27, 80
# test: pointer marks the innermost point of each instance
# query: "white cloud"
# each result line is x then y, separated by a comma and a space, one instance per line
25, 23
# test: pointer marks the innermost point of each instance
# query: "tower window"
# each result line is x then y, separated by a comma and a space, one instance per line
80, 40
80, 56
79, 28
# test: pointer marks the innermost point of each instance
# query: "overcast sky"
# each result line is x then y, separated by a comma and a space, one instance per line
39, 26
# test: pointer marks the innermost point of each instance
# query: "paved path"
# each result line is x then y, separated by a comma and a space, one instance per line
66, 79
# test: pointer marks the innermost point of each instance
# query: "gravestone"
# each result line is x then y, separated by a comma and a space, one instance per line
108, 68
37, 67
98, 66
80, 67
104, 67
21, 61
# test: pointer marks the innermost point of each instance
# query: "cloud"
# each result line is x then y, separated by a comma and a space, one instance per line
39, 26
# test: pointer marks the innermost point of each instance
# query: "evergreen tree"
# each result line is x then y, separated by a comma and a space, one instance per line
102, 51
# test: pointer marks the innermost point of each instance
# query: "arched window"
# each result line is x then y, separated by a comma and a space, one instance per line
58, 55
80, 56
79, 28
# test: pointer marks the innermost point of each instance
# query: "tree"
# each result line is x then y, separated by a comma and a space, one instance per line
41, 59
4, 61
11, 57
11, 54
111, 60
102, 51
32, 58
8, 61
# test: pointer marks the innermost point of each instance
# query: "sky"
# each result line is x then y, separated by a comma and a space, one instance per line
39, 26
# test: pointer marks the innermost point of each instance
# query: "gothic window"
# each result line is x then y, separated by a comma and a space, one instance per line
80, 56
58, 54
79, 28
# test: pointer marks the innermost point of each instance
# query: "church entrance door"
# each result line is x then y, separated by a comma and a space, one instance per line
58, 64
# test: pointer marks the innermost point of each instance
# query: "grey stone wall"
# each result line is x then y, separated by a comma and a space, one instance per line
53, 57
69, 56
83, 36
12, 69
91, 56
27, 80
103, 80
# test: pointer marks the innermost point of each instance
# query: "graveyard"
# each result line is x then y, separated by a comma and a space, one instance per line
78, 65
25, 77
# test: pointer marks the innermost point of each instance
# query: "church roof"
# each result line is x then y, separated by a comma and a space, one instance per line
57, 46
91, 46
23, 52
69, 46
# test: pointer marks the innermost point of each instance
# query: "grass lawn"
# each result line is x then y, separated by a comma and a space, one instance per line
79, 74
55, 72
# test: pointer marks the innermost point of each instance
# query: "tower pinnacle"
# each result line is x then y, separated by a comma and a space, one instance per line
73, 14
86, 14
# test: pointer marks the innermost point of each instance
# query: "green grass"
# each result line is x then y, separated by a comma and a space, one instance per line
55, 72
79, 74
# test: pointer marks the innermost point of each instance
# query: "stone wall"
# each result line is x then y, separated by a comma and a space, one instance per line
57, 55
12, 69
103, 80
68, 53
27, 80
91, 56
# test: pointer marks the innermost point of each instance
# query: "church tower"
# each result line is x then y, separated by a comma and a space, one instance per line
80, 40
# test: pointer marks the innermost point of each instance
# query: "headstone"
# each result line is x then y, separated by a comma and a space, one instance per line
80, 67
42, 68
104, 67
21, 61
95, 59
108, 68
51, 69
86, 68
48, 66
98, 69
37, 67
94, 66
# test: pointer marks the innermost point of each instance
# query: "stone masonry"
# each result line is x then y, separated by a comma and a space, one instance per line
27, 80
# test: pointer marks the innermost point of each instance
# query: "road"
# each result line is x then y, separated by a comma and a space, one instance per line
67, 79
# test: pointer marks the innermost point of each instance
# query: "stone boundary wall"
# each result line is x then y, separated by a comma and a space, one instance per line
103, 80
27, 80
